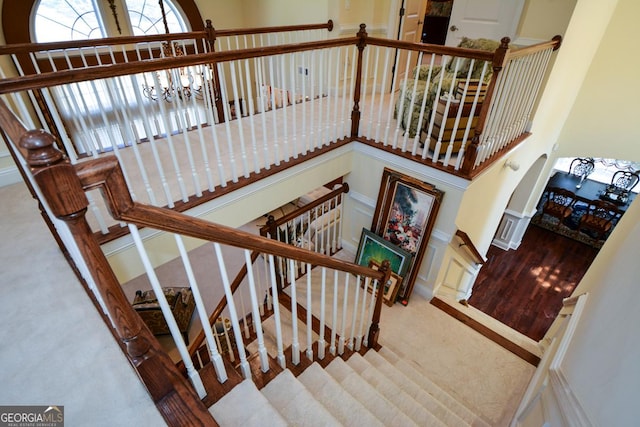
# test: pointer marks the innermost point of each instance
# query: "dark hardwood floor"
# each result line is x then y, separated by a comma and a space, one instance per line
524, 288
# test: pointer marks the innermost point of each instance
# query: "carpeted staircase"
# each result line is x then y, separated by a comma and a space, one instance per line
377, 389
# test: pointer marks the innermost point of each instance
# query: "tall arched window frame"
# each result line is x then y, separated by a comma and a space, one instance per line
61, 20
95, 19
18, 17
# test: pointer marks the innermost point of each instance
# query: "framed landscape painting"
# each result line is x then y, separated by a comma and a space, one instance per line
405, 213
374, 249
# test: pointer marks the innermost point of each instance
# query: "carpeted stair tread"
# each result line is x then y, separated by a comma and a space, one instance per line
391, 374
402, 400
295, 403
269, 333
245, 406
429, 386
346, 408
370, 398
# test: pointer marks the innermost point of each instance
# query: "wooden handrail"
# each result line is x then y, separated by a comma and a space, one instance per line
470, 247
280, 29
63, 192
124, 40
482, 55
40, 81
269, 226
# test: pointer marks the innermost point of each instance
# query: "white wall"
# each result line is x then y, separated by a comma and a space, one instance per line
602, 364
364, 184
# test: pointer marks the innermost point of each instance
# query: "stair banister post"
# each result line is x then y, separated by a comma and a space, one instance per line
63, 192
217, 99
355, 114
374, 330
472, 151
274, 233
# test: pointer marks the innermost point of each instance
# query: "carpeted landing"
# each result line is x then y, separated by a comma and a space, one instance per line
377, 389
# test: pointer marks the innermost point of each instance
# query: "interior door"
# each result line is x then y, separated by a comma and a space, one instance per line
492, 19
410, 28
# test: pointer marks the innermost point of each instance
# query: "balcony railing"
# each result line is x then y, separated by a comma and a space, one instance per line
189, 123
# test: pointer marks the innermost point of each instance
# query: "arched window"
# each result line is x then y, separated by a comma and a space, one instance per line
83, 19
60, 20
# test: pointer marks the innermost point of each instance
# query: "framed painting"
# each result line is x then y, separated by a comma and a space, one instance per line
391, 288
405, 213
374, 249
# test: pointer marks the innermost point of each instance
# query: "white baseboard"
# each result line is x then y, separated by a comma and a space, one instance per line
9, 175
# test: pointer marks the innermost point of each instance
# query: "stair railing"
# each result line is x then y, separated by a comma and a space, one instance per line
315, 225
63, 188
63, 197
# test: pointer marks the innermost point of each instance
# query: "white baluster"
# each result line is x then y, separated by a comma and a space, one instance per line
254, 139
304, 99
295, 343
321, 341
401, 110
284, 95
309, 316
354, 317
274, 114
367, 283
336, 97
312, 100
334, 314
261, 90
152, 142
244, 365
227, 127
174, 158
238, 107
383, 88
194, 377
294, 106
363, 89
216, 359
256, 313
276, 313
343, 324
214, 135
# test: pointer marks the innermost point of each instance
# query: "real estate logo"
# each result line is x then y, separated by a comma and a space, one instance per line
31, 416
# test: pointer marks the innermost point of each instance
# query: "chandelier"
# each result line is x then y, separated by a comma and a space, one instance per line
181, 83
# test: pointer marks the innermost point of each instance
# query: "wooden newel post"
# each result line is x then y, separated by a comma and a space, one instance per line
215, 93
472, 151
274, 233
355, 114
374, 331
64, 194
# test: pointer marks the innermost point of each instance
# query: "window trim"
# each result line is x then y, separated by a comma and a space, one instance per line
16, 18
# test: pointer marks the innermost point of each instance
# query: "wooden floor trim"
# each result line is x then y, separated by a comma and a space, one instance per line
525, 355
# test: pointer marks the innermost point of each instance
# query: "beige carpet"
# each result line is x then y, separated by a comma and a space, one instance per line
56, 350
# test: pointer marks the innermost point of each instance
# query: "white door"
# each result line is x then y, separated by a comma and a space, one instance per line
491, 19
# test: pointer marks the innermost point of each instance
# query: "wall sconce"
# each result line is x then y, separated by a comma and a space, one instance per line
512, 165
